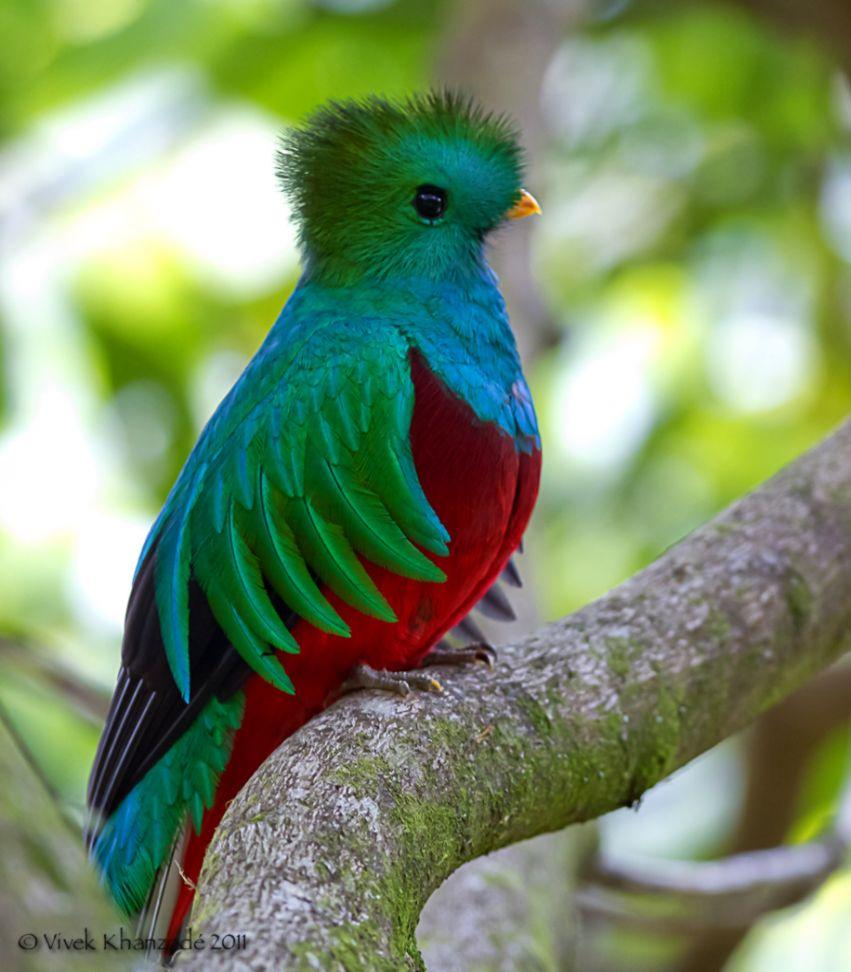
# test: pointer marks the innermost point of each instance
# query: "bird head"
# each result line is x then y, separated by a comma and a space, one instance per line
411, 188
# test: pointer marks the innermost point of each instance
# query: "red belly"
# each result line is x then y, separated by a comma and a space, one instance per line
483, 490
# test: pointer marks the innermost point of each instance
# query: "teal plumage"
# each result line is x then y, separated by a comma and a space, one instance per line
136, 839
352, 407
326, 515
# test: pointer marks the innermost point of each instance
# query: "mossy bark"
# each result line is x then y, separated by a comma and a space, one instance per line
327, 857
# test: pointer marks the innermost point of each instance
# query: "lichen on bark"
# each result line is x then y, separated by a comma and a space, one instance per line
328, 855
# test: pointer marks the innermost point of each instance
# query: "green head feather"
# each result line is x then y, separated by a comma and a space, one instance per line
408, 188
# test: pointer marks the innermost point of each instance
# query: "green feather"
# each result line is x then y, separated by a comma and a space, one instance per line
242, 478
196, 809
334, 560
253, 650
285, 568
171, 578
312, 477
135, 840
249, 592
370, 527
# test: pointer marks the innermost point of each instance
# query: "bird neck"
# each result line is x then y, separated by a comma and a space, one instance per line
460, 327
458, 260
459, 311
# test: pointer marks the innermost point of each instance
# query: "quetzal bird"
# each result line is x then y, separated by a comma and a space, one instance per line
358, 491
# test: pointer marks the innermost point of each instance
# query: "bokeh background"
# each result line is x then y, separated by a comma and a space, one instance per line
683, 306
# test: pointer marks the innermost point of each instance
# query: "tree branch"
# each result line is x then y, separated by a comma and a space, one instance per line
731, 893
780, 749
778, 870
327, 856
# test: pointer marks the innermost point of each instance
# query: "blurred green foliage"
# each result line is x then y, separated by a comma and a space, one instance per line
695, 252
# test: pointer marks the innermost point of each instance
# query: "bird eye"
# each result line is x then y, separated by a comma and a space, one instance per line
430, 202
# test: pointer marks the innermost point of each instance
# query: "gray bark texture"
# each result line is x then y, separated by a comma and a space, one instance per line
328, 855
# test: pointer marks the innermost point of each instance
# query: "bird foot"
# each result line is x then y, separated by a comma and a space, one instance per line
399, 683
481, 652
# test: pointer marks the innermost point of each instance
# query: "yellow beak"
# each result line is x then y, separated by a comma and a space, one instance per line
525, 206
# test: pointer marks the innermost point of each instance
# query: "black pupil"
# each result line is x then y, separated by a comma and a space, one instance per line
430, 202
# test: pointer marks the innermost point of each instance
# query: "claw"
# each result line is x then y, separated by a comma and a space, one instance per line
399, 683
482, 652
